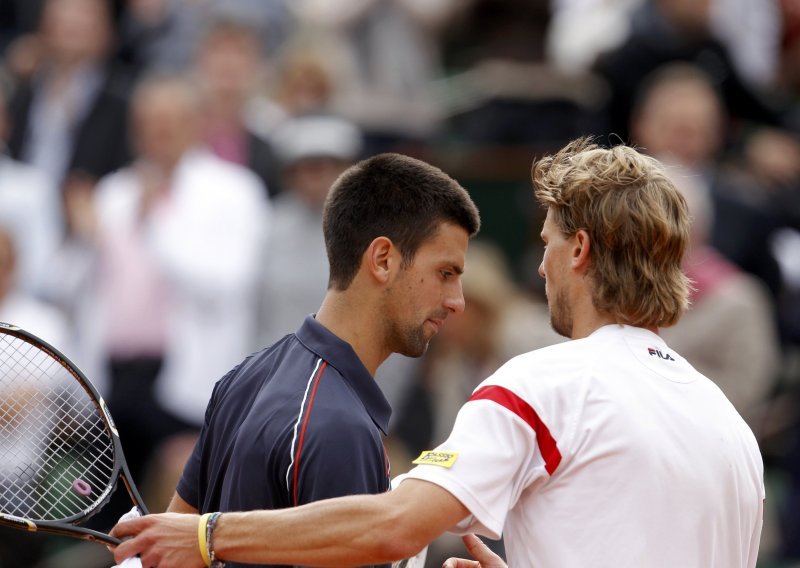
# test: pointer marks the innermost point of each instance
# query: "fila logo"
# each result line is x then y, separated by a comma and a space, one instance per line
666, 357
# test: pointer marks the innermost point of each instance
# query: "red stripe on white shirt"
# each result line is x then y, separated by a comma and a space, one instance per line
507, 399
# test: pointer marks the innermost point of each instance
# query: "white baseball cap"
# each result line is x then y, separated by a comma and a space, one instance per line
318, 136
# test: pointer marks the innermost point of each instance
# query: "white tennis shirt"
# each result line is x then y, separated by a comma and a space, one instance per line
610, 450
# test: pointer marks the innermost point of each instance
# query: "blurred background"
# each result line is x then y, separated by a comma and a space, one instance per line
164, 164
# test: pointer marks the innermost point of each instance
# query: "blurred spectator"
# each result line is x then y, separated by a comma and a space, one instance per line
513, 103
785, 246
583, 29
481, 30
229, 67
666, 31
16, 17
30, 209
178, 237
386, 54
20, 18
505, 92
729, 333
70, 117
679, 117
789, 68
750, 30
163, 35
782, 450
305, 84
20, 308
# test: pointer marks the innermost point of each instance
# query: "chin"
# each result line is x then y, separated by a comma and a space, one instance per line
415, 349
415, 352
562, 330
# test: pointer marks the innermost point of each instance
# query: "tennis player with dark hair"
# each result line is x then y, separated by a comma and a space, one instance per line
607, 450
303, 420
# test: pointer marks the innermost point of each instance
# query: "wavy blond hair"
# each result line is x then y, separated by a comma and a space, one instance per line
638, 226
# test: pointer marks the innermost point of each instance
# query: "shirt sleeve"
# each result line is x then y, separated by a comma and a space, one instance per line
502, 448
189, 485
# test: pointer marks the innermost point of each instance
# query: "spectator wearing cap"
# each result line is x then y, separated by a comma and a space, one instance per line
313, 151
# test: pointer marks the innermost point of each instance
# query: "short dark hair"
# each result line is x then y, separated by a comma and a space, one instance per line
391, 195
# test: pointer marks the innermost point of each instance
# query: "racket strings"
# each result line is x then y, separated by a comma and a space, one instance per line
56, 456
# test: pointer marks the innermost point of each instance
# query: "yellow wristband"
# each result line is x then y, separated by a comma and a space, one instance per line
201, 538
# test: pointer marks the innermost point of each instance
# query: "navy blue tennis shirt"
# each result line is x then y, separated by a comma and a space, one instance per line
299, 421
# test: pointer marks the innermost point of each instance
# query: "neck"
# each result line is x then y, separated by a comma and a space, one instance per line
586, 326
224, 112
66, 67
167, 164
348, 316
586, 318
594, 320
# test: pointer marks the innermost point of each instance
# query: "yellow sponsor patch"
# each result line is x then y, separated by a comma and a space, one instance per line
442, 459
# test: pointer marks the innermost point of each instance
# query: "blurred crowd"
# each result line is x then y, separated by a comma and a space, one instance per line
164, 165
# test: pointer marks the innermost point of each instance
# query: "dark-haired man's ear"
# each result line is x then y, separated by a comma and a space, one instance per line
581, 247
380, 258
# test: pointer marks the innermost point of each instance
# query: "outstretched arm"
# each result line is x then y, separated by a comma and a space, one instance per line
363, 529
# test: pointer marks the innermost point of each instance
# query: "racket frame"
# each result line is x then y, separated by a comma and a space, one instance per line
69, 526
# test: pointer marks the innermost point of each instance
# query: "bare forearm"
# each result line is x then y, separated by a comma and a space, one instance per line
178, 505
346, 531
366, 529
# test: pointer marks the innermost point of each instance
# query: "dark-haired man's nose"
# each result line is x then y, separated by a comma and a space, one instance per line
455, 301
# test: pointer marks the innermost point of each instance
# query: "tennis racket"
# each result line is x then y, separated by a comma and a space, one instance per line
60, 454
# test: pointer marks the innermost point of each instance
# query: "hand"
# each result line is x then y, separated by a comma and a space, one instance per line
484, 558
168, 540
